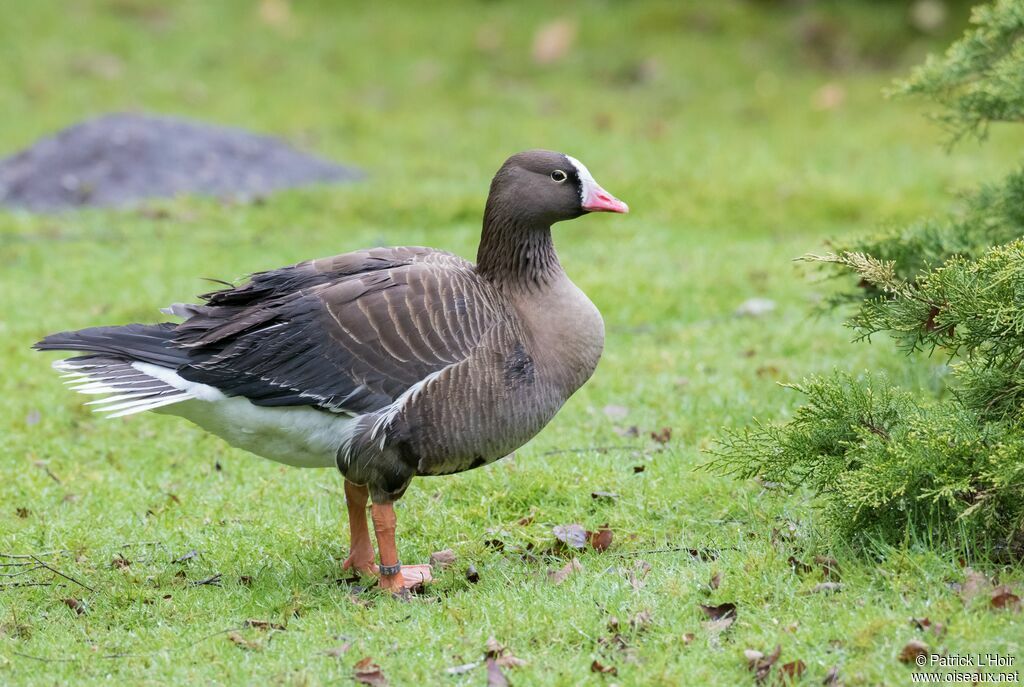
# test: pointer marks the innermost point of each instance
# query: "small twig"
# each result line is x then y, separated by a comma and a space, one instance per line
40, 464
20, 572
32, 556
32, 584
66, 577
212, 579
585, 449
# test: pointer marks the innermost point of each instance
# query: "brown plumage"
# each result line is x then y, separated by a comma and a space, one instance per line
388, 362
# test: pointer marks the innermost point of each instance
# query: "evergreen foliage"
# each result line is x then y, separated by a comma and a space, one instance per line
887, 460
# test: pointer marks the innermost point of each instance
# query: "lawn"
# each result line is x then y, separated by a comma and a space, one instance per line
740, 138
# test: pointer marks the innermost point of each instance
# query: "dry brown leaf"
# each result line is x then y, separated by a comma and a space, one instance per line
495, 678
663, 435
76, 605
1003, 598
724, 610
120, 562
715, 580
493, 648
798, 566
601, 539
912, 650
553, 41
571, 535
598, 667
760, 664
559, 576
829, 566
688, 638
367, 672
792, 670
640, 621
442, 559
244, 643
526, 520
974, 584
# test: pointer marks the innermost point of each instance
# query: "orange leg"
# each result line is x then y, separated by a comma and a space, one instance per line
360, 548
408, 575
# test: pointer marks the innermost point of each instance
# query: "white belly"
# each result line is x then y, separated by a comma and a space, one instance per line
302, 437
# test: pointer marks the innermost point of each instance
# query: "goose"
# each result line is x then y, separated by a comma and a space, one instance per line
385, 363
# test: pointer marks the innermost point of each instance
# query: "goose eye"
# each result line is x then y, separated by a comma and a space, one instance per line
559, 176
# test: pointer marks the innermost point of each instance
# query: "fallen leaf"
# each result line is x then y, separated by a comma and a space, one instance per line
559, 576
637, 574
495, 678
442, 559
553, 40
724, 610
614, 412
609, 495
526, 519
76, 605
338, 651
263, 624
1003, 598
793, 669
244, 643
688, 638
22, 512
369, 673
493, 648
120, 562
472, 575
829, 566
760, 664
510, 661
601, 539
974, 583
799, 567
598, 667
640, 621
912, 650
571, 535
663, 435
715, 580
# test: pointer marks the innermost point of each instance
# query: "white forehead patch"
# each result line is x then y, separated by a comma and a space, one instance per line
586, 180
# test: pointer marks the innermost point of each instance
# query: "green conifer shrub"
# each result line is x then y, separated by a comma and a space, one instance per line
892, 462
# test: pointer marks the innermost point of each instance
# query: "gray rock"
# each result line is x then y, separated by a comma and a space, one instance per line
117, 159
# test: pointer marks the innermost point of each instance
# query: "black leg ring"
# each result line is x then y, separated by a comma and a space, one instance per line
389, 570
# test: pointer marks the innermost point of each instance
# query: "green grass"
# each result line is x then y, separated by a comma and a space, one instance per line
730, 171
